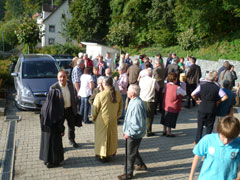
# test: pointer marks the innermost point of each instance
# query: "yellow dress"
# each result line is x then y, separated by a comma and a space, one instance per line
105, 114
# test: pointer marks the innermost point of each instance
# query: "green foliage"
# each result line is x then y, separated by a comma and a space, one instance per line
188, 40
210, 19
61, 49
28, 33
10, 39
162, 25
120, 34
89, 20
115, 74
226, 48
4, 73
30, 7
2, 9
14, 9
134, 12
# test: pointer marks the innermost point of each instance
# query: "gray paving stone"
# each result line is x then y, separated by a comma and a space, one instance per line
166, 158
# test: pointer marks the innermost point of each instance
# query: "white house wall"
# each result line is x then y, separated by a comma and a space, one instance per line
56, 20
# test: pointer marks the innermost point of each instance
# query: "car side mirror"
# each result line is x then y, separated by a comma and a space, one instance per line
14, 74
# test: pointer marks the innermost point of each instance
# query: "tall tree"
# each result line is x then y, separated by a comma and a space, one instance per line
9, 37
14, 9
210, 19
2, 9
28, 33
161, 22
89, 20
30, 7
120, 34
134, 12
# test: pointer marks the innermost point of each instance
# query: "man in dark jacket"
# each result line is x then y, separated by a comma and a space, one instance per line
133, 72
158, 74
211, 95
67, 103
173, 68
193, 76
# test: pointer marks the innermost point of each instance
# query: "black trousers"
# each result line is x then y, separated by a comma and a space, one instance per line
158, 100
68, 115
190, 88
133, 155
204, 119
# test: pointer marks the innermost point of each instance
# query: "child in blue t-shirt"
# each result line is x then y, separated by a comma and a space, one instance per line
221, 152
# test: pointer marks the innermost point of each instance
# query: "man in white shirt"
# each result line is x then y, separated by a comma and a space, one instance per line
108, 60
68, 103
148, 85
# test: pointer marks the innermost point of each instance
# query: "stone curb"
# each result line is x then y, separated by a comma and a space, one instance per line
2, 106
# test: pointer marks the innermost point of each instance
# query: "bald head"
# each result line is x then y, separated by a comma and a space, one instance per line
108, 72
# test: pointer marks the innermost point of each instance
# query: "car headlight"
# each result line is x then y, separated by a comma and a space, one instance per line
26, 92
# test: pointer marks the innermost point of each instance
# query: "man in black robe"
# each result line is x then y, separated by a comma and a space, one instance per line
51, 148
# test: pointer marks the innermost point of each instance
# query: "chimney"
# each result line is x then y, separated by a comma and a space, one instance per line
52, 4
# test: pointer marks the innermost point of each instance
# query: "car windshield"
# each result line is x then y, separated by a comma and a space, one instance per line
64, 64
39, 69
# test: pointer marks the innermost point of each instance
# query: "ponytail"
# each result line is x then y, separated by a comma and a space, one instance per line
108, 81
113, 94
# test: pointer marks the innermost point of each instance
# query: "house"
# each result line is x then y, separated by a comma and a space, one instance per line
94, 49
51, 22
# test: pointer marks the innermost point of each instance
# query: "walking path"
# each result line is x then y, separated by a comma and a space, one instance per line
165, 157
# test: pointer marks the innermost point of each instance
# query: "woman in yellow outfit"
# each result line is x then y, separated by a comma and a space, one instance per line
107, 108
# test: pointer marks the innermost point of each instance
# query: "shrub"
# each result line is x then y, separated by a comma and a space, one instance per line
5, 73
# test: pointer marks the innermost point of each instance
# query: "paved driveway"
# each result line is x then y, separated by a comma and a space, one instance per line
165, 157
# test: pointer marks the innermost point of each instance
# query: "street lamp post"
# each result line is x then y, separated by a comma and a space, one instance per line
3, 40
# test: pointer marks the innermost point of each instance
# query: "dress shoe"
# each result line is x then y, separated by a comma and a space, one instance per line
103, 159
52, 165
88, 122
150, 134
140, 167
123, 176
164, 133
74, 144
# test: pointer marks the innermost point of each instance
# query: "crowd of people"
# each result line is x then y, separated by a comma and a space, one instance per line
104, 91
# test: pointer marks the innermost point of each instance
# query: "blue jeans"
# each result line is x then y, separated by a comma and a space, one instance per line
84, 108
124, 97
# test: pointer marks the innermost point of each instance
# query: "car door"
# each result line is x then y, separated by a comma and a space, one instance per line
17, 76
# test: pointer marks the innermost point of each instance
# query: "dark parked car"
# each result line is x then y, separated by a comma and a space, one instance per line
64, 61
33, 76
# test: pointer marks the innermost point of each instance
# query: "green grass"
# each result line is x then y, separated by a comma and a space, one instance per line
228, 48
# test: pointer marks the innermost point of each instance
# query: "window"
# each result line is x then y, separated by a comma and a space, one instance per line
51, 28
51, 41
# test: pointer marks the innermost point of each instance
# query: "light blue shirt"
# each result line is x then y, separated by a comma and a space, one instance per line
221, 161
135, 119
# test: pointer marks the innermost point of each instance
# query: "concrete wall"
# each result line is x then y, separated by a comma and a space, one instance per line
207, 65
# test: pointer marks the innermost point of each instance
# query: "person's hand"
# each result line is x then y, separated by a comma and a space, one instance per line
126, 136
198, 101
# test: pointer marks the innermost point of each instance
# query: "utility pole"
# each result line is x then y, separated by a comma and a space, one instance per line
3, 39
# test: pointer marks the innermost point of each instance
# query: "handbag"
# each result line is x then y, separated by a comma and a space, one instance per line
78, 120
